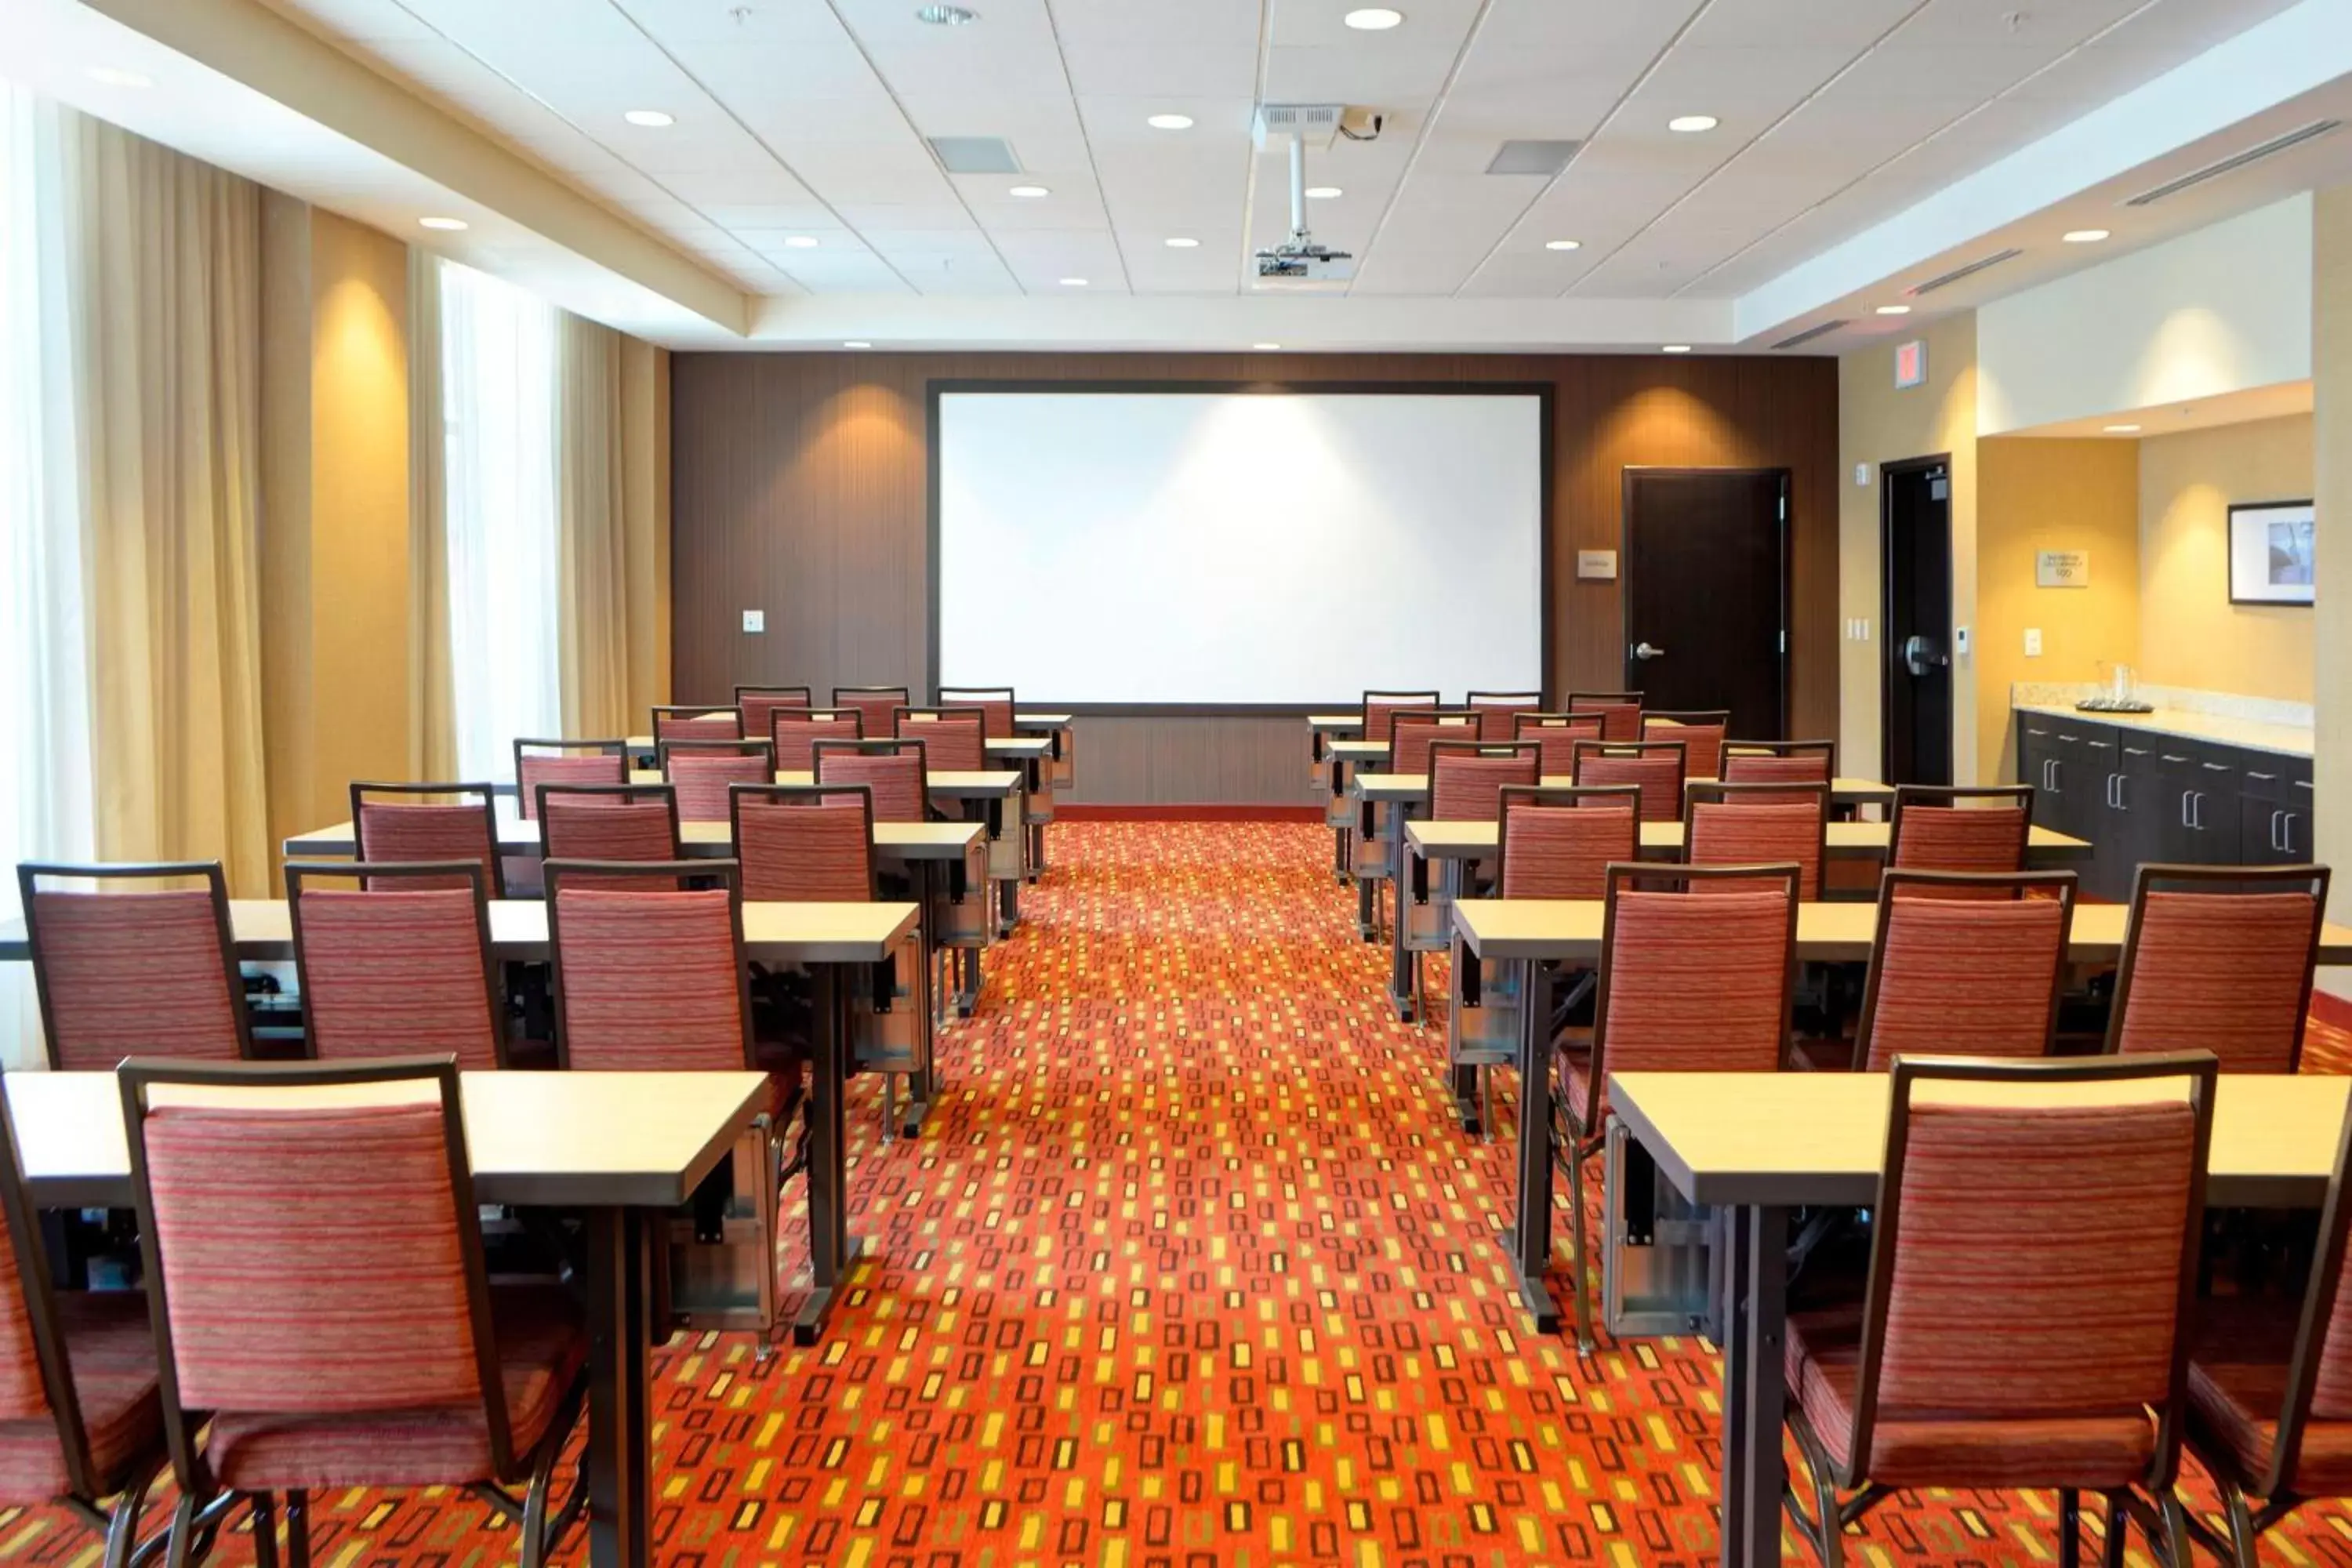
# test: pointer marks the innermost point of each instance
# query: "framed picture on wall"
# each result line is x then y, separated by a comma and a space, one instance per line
2270, 553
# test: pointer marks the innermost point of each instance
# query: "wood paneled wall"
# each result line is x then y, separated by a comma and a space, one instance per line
800, 487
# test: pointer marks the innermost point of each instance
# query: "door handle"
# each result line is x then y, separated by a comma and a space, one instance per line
2186, 796
1922, 657
2199, 821
2286, 832
1644, 650
2275, 831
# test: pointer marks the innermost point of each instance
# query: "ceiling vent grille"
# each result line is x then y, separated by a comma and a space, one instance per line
1809, 334
1546, 158
1945, 280
2235, 161
975, 154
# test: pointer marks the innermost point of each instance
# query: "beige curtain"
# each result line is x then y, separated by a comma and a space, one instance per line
164, 268
612, 418
432, 693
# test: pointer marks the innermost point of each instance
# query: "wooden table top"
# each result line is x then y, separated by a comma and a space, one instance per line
893, 841
1846, 841
1821, 1137
1569, 929
1043, 720
559, 1139
773, 933
1334, 724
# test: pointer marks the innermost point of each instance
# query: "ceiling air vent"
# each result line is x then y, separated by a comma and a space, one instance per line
975, 154
1970, 270
2236, 161
1809, 334
1545, 158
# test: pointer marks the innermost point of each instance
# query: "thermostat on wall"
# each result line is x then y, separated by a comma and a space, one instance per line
1596, 566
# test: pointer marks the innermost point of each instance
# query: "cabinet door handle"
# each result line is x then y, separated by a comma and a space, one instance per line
2287, 832
2266, 778
2186, 796
2171, 758
2134, 751
2215, 767
2199, 823
2275, 816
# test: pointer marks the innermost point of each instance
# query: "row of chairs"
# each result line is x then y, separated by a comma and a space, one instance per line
1497, 713
751, 716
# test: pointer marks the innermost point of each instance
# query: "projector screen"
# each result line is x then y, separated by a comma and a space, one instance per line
1238, 549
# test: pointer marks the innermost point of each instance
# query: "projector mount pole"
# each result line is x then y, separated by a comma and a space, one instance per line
1297, 186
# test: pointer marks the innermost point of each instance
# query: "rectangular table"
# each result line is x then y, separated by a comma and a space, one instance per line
620, 1149
894, 842
1762, 1143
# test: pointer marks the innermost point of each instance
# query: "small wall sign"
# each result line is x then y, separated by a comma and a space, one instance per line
1911, 362
1596, 566
2061, 569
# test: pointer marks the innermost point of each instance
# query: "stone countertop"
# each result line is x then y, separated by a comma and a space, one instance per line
2284, 740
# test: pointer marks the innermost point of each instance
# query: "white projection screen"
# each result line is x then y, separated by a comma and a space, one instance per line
1234, 549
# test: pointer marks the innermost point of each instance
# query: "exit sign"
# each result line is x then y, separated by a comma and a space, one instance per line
1911, 362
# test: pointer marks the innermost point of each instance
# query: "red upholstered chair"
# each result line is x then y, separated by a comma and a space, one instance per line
703, 772
1557, 734
1655, 767
402, 968
612, 823
1978, 976
796, 732
696, 721
877, 706
1621, 712
1498, 711
1466, 778
648, 979
896, 772
566, 762
1748, 824
955, 740
1558, 843
1689, 983
756, 707
1939, 830
124, 974
2033, 1262
288, 1365
799, 843
413, 823
995, 704
1379, 706
1701, 734
2220, 958
80, 1416
1779, 762
1412, 733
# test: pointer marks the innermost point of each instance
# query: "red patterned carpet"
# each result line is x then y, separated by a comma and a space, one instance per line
1188, 1268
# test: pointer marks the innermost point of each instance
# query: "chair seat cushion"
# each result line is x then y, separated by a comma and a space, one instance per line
112, 1353
1823, 1362
2238, 1365
542, 1348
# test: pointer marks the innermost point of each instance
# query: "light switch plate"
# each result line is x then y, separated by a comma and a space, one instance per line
1861, 475
2033, 642
755, 620
1960, 639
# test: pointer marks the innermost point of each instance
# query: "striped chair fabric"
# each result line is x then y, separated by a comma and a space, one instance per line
953, 742
1956, 978
1411, 735
1765, 767
901, 794
1657, 773
1465, 786
1555, 735
1564, 851
995, 705
1499, 711
1702, 743
533, 770
2221, 972
1692, 984
702, 780
1620, 713
878, 708
1751, 833
691, 724
2035, 1288
24, 1391
135, 975
648, 979
813, 849
796, 734
609, 828
1959, 839
756, 708
1381, 707
391, 974
388, 832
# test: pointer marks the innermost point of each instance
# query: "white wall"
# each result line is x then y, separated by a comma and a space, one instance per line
2220, 309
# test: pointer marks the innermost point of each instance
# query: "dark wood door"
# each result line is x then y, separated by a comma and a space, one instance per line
1915, 513
1706, 583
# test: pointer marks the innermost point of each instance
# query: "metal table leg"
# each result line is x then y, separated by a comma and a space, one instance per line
831, 1246
620, 1452
1756, 1314
921, 1083
1400, 960
1530, 1238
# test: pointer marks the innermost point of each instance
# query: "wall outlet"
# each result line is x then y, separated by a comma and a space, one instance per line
755, 620
2033, 642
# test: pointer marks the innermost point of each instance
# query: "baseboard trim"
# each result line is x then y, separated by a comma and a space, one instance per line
2330, 1009
1219, 812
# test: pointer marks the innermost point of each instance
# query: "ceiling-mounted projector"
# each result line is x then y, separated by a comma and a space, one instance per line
1301, 258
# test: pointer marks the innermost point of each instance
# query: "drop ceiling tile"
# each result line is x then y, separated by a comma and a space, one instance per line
1099, 69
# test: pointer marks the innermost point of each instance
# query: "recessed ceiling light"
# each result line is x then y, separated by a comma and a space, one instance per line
946, 16
1170, 123
115, 76
1179, 242
1074, 282
800, 242
1373, 19
1266, 348
448, 225
2084, 235
1029, 193
1563, 245
856, 343
1322, 193
2123, 429
1676, 349
1691, 122
1895, 310
652, 119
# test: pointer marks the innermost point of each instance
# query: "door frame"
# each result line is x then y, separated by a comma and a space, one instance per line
1625, 562
1887, 472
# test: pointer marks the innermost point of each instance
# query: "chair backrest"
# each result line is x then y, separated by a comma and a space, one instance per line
2074, 1305
1412, 733
1701, 734
1779, 762
696, 721
135, 974
1497, 711
1560, 842
2319, 1368
1654, 766
955, 740
413, 823
2221, 959
1692, 982
402, 968
565, 763
806, 844
1556, 734
994, 702
1621, 712
897, 772
1379, 706
703, 772
648, 979
1466, 778
796, 731
609, 823
36, 1375
1943, 829
1751, 825
1978, 976
757, 706
876, 705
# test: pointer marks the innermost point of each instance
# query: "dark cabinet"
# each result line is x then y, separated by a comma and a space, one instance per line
2274, 802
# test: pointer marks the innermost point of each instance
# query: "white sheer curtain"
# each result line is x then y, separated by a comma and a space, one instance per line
498, 375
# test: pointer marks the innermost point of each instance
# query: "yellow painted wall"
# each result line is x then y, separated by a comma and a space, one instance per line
2191, 635
2034, 495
